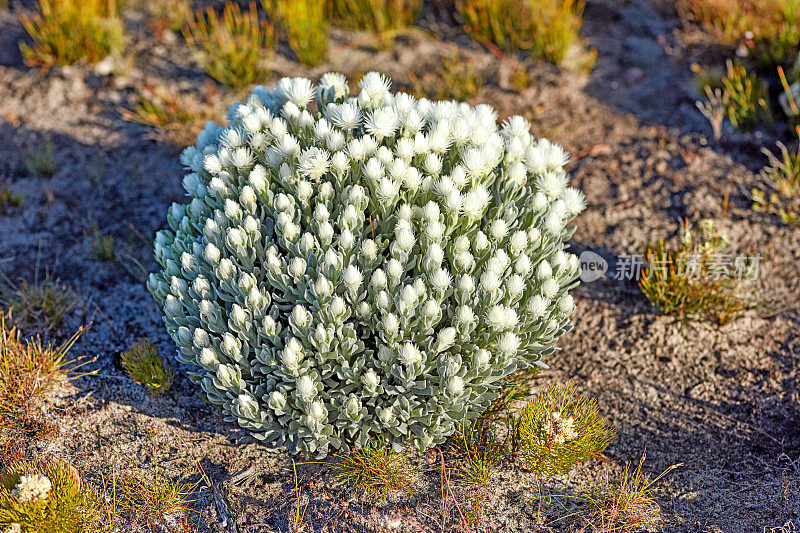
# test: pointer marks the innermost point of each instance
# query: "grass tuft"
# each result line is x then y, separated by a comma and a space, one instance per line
41, 161
456, 79
383, 18
71, 505
478, 455
773, 24
157, 501
8, 201
693, 281
102, 245
743, 95
233, 47
29, 369
306, 25
781, 193
168, 15
547, 29
147, 367
67, 31
176, 118
377, 470
42, 304
624, 505
558, 429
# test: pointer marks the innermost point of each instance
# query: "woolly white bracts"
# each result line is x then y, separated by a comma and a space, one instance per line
352, 268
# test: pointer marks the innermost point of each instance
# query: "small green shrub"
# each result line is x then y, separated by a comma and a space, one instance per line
66, 31
558, 429
780, 194
690, 283
545, 28
306, 24
234, 47
625, 505
49, 498
8, 200
377, 470
147, 368
384, 18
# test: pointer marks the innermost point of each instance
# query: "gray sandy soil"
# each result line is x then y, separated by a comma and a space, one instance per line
724, 401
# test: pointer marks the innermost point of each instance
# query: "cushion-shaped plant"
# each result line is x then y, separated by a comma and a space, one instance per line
48, 497
559, 429
368, 267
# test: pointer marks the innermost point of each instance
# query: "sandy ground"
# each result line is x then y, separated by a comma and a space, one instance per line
725, 402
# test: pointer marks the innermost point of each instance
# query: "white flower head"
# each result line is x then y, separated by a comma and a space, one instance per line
352, 278
382, 122
332, 87
374, 89
32, 488
313, 163
298, 91
409, 354
574, 201
346, 115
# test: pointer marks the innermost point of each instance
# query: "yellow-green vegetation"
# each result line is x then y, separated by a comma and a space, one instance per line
477, 450
30, 369
627, 504
150, 502
743, 94
177, 118
780, 194
41, 160
147, 367
559, 429
384, 18
102, 245
790, 99
42, 304
234, 47
516, 387
8, 200
456, 79
774, 24
306, 25
544, 28
168, 15
478, 454
695, 281
47, 498
66, 31
376, 470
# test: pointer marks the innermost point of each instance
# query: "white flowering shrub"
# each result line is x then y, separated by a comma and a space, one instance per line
367, 267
